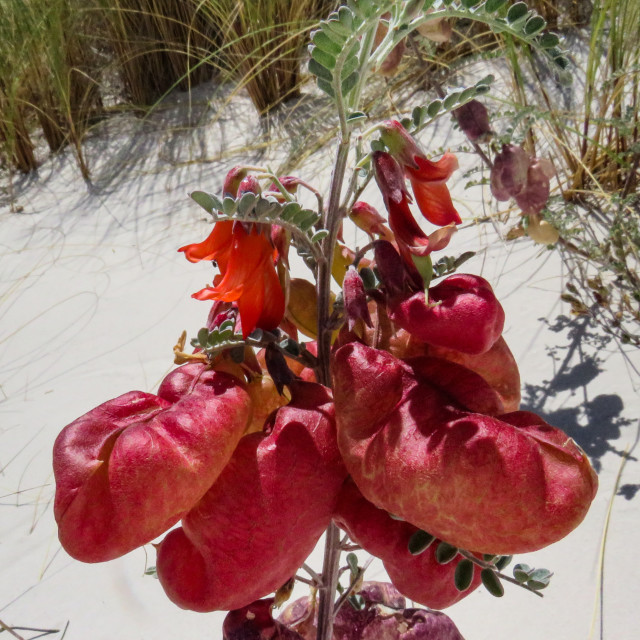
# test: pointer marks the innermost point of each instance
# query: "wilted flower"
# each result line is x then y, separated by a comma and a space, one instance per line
408, 234
355, 299
428, 178
383, 616
367, 218
436, 30
515, 174
391, 63
255, 622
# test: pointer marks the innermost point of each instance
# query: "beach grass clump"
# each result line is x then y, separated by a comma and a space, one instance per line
159, 45
264, 45
49, 70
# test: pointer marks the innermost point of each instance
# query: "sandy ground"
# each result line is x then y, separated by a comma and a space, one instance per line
92, 297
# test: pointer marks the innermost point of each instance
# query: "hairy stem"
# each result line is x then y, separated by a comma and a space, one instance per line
332, 220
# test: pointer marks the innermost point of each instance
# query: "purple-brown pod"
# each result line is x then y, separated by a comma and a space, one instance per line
383, 616
129, 469
255, 622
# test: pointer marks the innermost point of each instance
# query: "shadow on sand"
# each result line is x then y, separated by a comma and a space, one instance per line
596, 421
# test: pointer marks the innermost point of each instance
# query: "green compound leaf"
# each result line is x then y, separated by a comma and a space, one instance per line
488, 79
549, 40
318, 70
433, 108
346, 18
491, 6
322, 57
503, 561
492, 583
534, 25
356, 116
335, 29
463, 576
452, 100
349, 67
349, 83
319, 235
247, 203
203, 337
517, 11
229, 206
289, 211
324, 42
539, 579
445, 553
327, 87
419, 542
521, 572
207, 201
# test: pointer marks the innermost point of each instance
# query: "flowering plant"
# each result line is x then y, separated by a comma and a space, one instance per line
397, 422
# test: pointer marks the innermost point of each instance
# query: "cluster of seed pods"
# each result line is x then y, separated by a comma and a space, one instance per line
422, 423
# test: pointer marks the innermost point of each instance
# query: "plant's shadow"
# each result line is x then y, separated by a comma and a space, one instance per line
595, 422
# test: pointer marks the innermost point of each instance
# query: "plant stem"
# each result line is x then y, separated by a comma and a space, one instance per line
331, 221
332, 224
330, 568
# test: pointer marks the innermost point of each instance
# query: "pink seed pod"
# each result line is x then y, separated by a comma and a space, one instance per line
462, 313
262, 517
131, 468
418, 577
428, 447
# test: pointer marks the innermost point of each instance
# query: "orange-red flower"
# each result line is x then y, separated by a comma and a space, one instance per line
428, 179
247, 273
217, 246
408, 234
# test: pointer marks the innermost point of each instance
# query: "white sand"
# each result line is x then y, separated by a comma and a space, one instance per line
94, 295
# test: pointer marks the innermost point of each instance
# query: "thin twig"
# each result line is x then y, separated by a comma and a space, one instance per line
312, 573
10, 630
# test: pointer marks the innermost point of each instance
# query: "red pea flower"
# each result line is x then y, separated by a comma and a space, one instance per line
428, 179
408, 234
249, 279
217, 246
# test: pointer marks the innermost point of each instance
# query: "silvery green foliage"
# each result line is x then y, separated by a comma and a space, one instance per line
251, 207
336, 51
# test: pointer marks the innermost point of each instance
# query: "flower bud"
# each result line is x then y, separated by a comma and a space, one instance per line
232, 181
355, 299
